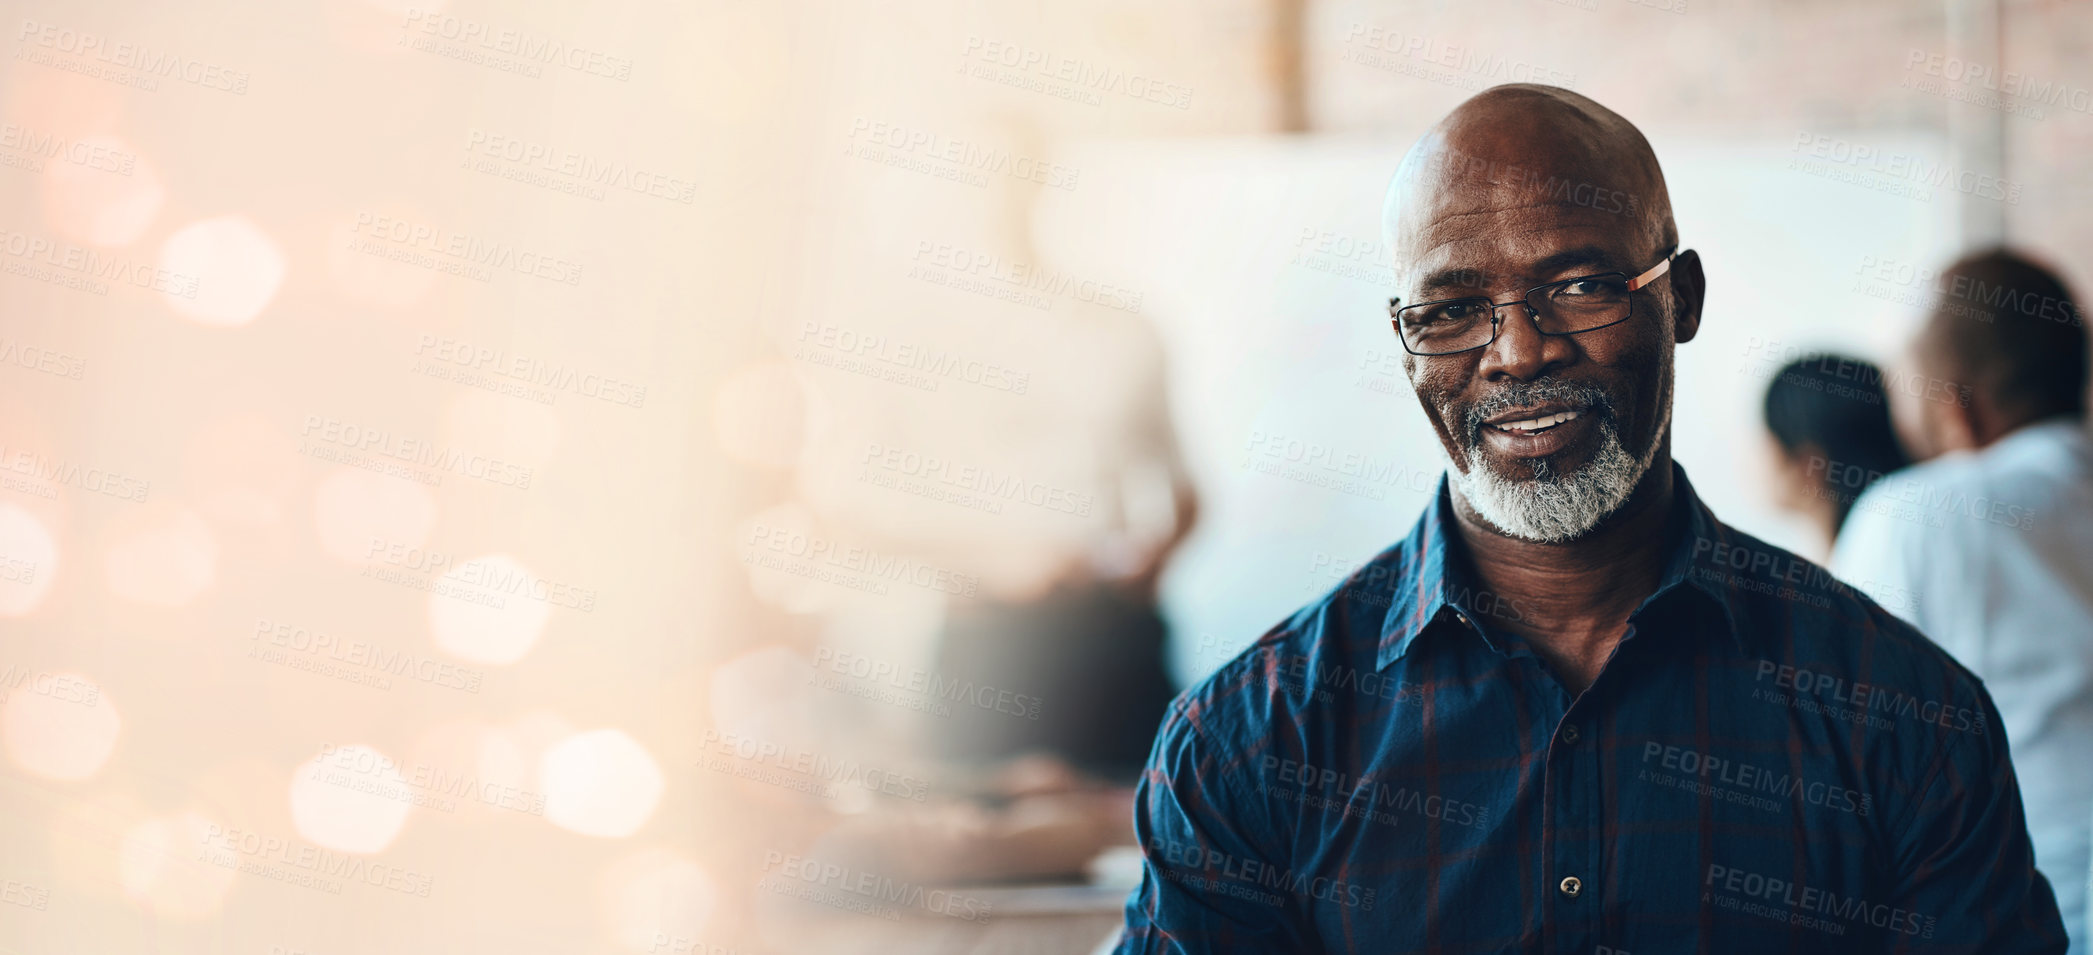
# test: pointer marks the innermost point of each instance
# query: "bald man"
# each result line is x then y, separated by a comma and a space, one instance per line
1572, 711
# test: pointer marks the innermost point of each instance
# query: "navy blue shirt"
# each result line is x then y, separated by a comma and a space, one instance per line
1769, 762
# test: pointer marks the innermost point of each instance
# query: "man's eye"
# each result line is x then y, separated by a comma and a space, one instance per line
1582, 288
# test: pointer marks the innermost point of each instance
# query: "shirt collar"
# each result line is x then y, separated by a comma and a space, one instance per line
1434, 581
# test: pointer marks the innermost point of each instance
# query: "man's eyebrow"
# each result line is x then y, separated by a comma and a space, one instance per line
1584, 255
1592, 256
1455, 278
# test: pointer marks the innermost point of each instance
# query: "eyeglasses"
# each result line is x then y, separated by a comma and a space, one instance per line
1582, 304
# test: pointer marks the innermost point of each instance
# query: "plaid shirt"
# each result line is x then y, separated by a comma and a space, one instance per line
1769, 762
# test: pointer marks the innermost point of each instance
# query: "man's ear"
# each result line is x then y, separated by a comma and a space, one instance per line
1690, 286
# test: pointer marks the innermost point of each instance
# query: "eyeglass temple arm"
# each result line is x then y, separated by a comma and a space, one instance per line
1655, 271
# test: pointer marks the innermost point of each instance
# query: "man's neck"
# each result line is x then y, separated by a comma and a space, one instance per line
1571, 601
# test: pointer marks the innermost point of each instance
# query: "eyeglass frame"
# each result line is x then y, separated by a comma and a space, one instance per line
1636, 284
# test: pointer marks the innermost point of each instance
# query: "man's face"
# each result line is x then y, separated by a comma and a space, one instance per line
1546, 434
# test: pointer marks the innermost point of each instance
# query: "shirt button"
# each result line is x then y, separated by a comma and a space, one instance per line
1571, 886
1460, 618
1569, 733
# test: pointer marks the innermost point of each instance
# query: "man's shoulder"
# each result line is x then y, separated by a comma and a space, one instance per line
2038, 473
1306, 668
1797, 614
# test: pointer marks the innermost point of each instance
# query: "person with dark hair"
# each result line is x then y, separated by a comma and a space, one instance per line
1988, 547
1830, 422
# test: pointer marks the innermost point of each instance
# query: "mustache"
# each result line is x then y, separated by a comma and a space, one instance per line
1581, 398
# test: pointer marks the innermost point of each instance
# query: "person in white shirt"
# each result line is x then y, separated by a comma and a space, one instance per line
1988, 546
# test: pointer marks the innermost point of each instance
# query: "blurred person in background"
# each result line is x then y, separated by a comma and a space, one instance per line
1829, 421
1055, 478
1572, 711
1058, 660
1990, 543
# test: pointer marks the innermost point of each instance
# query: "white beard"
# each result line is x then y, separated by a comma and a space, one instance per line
1552, 508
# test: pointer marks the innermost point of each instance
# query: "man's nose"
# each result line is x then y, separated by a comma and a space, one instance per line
1520, 350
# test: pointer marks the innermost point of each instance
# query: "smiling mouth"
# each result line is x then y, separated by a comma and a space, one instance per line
1535, 425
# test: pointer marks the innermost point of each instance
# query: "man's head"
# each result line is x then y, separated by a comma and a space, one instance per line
2004, 330
1522, 186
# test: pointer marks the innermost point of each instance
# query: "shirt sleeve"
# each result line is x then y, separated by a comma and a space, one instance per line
1205, 884
1968, 881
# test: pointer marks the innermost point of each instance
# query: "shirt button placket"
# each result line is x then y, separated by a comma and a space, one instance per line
1578, 835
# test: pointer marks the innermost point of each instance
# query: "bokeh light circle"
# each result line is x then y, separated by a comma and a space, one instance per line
59, 725
28, 561
600, 783
350, 798
483, 610
235, 267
